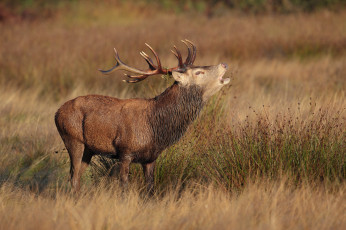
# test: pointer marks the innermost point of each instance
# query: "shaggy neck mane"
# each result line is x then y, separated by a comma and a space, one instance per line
173, 111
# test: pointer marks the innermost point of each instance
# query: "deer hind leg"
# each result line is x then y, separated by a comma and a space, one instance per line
149, 170
76, 150
87, 155
124, 171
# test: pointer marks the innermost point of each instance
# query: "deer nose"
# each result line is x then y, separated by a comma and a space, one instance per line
224, 65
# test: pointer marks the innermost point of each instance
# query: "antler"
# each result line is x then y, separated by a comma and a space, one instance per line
155, 69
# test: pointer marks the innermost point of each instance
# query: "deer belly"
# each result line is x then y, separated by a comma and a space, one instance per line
99, 136
106, 136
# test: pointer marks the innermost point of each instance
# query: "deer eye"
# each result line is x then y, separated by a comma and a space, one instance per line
199, 72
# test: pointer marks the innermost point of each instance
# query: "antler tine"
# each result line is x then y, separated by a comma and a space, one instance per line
135, 80
136, 76
116, 56
156, 56
175, 54
194, 52
188, 58
146, 57
131, 81
110, 70
180, 59
121, 66
148, 60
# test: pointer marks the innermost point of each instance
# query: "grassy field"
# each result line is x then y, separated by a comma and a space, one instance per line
267, 152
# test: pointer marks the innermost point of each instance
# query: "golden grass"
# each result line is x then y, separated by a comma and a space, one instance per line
262, 205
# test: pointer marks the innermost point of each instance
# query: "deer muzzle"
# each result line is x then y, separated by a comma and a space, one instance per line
223, 81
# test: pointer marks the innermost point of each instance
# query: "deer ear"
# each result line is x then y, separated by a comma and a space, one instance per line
178, 76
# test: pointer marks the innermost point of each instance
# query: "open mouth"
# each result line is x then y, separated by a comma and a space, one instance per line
224, 81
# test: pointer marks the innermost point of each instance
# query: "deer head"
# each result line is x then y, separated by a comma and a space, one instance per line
209, 78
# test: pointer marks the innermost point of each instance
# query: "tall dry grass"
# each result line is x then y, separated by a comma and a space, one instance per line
262, 205
267, 151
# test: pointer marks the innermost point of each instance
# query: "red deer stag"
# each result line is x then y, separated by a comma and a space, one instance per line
137, 130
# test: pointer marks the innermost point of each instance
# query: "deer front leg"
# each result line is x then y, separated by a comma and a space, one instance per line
149, 169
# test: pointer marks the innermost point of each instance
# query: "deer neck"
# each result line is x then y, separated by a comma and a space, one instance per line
174, 110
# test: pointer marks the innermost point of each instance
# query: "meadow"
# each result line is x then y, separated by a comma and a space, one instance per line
267, 152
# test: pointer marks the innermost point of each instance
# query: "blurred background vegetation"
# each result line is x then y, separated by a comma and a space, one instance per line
210, 8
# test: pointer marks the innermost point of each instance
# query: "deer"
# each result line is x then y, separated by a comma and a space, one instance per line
137, 130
